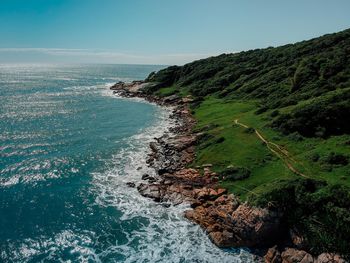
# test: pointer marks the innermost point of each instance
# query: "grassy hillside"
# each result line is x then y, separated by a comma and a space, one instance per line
275, 117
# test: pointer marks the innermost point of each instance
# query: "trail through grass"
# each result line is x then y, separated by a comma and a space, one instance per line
236, 136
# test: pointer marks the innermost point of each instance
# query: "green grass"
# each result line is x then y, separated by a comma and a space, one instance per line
163, 92
168, 91
239, 148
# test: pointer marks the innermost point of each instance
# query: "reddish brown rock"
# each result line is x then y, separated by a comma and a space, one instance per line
222, 239
232, 225
221, 191
297, 239
292, 255
273, 255
329, 258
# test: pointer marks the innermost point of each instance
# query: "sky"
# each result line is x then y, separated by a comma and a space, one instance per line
157, 31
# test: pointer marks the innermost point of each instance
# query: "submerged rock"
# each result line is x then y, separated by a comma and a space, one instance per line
151, 191
131, 184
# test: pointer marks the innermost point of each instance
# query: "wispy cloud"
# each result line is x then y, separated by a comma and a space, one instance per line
101, 56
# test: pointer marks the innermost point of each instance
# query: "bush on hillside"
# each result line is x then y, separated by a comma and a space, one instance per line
278, 76
321, 117
233, 173
333, 158
320, 211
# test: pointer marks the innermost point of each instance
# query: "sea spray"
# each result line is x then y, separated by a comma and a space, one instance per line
68, 148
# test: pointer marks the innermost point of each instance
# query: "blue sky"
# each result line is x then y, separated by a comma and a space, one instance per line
157, 31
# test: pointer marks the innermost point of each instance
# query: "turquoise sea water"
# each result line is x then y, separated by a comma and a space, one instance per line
67, 148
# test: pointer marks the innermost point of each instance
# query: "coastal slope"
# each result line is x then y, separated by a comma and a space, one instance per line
271, 124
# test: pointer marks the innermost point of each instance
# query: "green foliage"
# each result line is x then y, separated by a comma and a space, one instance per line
233, 173
319, 210
249, 130
314, 157
220, 140
333, 158
320, 117
163, 92
277, 77
295, 137
274, 113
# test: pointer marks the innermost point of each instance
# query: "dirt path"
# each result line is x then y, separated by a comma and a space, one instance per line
278, 150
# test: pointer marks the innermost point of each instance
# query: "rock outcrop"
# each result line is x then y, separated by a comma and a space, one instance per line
292, 255
230, 224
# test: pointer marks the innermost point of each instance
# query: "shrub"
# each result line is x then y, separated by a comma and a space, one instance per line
295, 136
249, 130
220, 140
233, 173
204, 137
321, 117
314, 157
335, 159
261, 110
274, 113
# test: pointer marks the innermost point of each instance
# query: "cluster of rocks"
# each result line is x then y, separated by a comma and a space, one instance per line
132, 86
231, 224
228, 222
292, 255
185, 185
136, 89
169, 154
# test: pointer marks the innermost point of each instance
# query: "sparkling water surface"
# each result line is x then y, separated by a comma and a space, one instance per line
67, 148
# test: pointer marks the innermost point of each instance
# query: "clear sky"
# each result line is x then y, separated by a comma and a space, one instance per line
157, 31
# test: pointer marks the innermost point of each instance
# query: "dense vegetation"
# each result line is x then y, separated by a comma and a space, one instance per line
318, 210
278, 77
297, 97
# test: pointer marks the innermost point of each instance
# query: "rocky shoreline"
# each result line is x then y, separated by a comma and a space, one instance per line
228, 222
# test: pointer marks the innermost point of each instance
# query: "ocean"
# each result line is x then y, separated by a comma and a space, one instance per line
68, 146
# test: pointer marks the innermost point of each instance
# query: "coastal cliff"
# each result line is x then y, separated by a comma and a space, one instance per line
228, 221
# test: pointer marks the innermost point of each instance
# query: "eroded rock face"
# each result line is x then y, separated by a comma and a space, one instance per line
230, 224
171, 154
